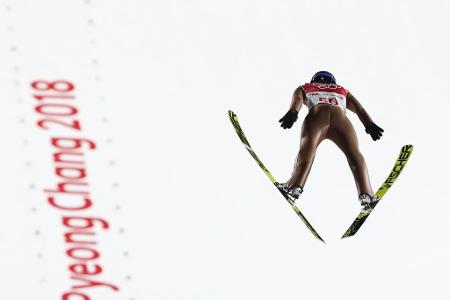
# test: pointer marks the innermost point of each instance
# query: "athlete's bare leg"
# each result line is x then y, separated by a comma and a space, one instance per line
314, 130
343, 134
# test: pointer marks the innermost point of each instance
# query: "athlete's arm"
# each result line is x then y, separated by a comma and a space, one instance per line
291, 116
371, 128
297, 99
356, 107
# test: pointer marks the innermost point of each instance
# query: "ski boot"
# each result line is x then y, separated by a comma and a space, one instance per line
368, 202
292, 193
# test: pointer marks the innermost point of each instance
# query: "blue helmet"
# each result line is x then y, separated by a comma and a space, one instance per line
323, 77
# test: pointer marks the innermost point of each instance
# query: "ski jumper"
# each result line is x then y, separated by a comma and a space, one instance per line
326, 122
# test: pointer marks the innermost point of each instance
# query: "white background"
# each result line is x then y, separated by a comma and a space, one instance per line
198, 217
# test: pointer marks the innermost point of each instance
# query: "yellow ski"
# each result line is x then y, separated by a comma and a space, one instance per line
234, 120
400, 163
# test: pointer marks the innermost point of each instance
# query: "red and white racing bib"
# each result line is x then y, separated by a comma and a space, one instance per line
317, 93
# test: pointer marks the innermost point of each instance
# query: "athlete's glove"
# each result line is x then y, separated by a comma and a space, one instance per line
289, 119
374, 131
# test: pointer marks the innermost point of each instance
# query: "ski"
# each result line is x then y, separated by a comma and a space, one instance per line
396, 171
234, 120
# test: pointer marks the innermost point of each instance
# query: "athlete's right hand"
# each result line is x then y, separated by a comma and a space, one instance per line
374, 131
289, 119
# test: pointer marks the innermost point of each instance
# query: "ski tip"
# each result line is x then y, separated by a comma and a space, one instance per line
408, 148
232, 115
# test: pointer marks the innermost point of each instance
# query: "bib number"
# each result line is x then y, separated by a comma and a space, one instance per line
332, 101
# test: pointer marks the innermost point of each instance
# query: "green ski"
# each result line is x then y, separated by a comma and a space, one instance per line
234, 120
396, 171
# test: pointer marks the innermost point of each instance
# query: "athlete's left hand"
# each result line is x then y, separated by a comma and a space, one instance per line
289, 119
374, 130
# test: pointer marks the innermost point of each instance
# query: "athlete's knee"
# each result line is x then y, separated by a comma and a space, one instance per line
356, 160
307, 153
